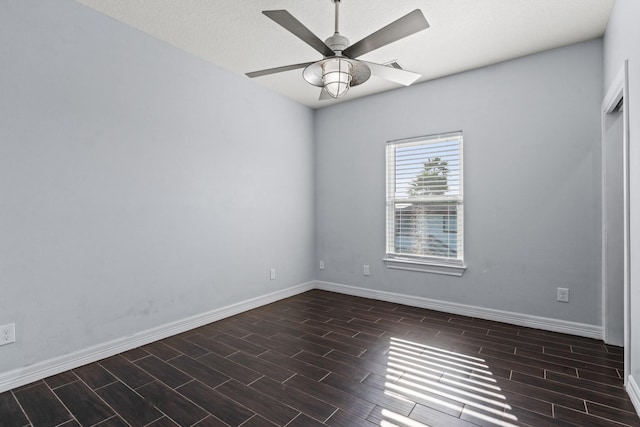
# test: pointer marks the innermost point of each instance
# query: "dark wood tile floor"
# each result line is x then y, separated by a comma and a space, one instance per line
321, 358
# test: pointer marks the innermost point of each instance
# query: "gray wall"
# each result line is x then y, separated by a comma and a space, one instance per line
138, 184
532, 183
620, 43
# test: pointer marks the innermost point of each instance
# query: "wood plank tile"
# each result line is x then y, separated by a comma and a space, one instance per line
161, 350
611, 380
186, 347
367, 328
527, 365
433, 417
367, 342
481, 417
302, 402
330, 327
126, 371
199, 371
561, 361
211, 421
541, 394
84, 404
582, 419
614, 414
135, 354
298, 366
262, 328
258, 421
222, 407
534, 419
259, 403
322, 362
520, 341
113, 422
94, 375
302, 328
174, 405
11, 414
270, 344
611, 361
304, 421
163, 371
61, 379
599, 387
163, 422
301, 345
358, 363
230, 368
570, 390
331, 395
129, 405
371, 394
278, 373
276, 328
518, 363
346, 419
212, 345
42, 407
240, 344
348, 348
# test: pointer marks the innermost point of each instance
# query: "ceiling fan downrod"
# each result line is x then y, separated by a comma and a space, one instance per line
337, 7
337, 42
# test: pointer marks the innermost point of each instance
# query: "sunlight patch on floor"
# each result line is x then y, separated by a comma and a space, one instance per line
440, 378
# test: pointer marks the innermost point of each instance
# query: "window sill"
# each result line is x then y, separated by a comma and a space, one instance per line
425, 266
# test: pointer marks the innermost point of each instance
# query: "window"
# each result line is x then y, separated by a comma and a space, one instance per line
425, 204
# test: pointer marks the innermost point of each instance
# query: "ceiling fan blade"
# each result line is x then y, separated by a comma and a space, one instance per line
277, 70
409, 24
287, 20
324, 96
393, 74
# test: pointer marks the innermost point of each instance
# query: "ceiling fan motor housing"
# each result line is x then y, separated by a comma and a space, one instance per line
337, 42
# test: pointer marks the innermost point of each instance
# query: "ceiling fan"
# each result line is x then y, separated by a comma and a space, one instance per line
339, 69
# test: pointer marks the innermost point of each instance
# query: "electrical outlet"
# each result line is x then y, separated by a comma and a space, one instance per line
321, 265
7, 334
272, 274
563, 294
366, 271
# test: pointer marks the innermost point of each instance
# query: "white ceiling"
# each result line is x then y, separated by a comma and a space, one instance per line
463, 34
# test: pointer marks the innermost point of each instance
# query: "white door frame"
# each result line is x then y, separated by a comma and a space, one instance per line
619, 90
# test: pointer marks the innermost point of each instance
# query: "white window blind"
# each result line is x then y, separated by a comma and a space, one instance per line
425, 200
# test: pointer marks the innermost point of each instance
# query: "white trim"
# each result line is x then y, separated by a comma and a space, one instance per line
634, 393
46, 368
619, 90
519, 319
425, 267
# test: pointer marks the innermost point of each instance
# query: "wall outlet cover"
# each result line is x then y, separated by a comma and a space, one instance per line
563, 295
7, 334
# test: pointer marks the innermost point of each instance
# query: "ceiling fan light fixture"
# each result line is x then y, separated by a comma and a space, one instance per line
336, 77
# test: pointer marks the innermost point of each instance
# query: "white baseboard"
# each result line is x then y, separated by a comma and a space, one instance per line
634, 393
46, 368
519, 319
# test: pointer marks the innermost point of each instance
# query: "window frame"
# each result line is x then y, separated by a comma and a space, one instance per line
414, 262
